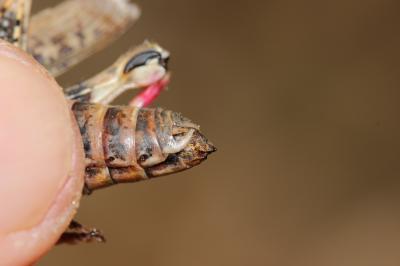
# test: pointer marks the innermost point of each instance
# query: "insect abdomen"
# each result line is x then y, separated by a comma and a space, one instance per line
109, 140
128, 144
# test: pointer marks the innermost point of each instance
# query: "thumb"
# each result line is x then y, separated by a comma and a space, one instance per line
41, 159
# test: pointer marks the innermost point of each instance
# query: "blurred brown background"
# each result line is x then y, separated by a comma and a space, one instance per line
302, 100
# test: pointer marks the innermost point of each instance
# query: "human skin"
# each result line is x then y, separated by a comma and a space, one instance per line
41, 158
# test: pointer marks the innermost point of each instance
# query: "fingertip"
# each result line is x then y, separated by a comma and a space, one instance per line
40, 159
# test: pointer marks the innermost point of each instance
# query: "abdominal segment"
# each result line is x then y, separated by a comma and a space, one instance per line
109, 140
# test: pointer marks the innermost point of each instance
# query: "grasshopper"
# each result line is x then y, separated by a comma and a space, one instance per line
121, 143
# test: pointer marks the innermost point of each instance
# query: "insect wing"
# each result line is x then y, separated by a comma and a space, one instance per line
66, 34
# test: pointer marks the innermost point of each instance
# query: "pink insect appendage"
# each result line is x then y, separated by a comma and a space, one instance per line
149, 94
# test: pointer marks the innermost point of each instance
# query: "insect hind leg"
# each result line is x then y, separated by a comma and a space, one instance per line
143, 67
150, 93
77, 233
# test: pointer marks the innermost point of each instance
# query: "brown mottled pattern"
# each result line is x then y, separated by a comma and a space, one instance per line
7, 25
148, 148
109, 137
90, 118
64, 35
14, 18
119, 140
125, 144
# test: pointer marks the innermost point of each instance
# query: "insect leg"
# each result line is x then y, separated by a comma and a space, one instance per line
14, 19
64, 35
140, 67
77, 233
150, 93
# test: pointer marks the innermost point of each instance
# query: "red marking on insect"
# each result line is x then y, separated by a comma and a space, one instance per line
147, 96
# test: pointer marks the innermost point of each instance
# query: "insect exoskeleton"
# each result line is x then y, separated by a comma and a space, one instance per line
138, 68
128, 144
121, 143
